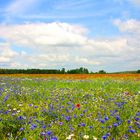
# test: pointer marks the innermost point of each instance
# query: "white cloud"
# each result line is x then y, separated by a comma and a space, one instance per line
131, 25
6, 54
86, 61
57, 45
44, 34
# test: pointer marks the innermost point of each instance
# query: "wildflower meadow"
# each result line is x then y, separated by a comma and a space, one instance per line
69, 109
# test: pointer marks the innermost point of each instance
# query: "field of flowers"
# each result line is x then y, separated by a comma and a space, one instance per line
66, 109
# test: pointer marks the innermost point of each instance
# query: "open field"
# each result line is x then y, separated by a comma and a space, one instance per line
74, 107
76, 76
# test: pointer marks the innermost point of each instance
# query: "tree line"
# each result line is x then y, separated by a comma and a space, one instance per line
80, 70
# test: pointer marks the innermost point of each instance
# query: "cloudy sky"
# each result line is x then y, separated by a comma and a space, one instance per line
97, 34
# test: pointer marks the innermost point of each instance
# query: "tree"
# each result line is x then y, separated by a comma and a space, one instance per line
63, 70
138, 71
101, 72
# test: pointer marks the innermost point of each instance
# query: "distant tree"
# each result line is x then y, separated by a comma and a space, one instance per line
91, 72
80, 70
101, 72
138, 71
63, 70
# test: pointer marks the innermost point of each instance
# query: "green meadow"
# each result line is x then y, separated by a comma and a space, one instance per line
54, 109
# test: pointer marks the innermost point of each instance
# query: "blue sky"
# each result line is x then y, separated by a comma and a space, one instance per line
70, 33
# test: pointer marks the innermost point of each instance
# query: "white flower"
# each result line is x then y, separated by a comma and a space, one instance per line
18, 111
94, 138
71, 135
86, 137
20, 104
68, 138
14, 109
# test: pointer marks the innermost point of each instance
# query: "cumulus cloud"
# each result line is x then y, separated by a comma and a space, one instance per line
44, 34
59, 44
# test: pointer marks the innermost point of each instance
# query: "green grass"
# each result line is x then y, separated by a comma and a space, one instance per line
50, 105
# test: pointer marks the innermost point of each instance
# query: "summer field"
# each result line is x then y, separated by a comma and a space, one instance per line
72, 107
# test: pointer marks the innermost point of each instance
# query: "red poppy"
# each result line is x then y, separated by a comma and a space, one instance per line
78, 105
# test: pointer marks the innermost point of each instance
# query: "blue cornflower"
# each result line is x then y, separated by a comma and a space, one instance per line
107, 134
44, 126
132, 131
90, 127
104, 137
6, 112
115, 124
21, 129
54, 138
83, 124
128, 121
23, 138
119, 122
79, 125
33, 126
85, 111
109, 127
75, 116
35, 106
71, 129
137, 119
102, 121
30, 104
67, 118
49, 133
138, 114
73, 107
106, 118
6, 97
20, 118
49, 125
60, 123
81, 115
117, 118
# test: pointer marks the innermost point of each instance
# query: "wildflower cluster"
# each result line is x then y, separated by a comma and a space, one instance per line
52, 109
